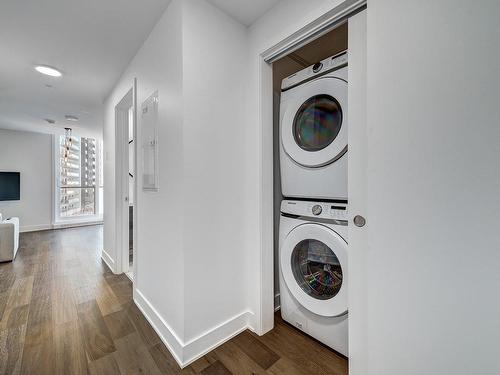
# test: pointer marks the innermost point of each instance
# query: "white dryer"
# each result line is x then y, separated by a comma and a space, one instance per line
313, 270
313, 131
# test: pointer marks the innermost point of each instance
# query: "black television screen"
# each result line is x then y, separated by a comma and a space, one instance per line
10, 186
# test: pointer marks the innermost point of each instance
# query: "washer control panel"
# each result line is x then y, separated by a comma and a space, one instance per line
332, 63
324, 210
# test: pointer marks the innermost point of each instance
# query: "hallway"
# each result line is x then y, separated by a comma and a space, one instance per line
63, 312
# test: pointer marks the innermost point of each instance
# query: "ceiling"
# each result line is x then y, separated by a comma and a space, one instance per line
90, 41
244, 11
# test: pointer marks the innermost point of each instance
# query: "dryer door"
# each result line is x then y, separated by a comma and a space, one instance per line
314, 122
313, 260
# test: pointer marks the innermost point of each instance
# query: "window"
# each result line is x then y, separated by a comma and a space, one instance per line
77, 178
100, 197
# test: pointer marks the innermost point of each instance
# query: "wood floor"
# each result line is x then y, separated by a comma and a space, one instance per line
63, 312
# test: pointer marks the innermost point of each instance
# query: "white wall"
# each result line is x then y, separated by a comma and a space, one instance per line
433, 205
433, 146
159, 258
190, 246
206, 216
31, 154
214, 52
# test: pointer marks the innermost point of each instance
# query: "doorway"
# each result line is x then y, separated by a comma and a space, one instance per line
302, 36
126, 183
131, 190
329, 44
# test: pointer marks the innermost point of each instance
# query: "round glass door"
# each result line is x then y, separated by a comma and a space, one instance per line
317, 122
316, 269
313, 122
313, 264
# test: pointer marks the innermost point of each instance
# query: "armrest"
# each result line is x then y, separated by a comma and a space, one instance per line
9, 239
7, 242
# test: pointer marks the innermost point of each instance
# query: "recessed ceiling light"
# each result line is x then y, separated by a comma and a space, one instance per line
71, 118
47, 70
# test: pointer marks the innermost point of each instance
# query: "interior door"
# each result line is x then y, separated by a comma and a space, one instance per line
122, 110
433, 202
357, 177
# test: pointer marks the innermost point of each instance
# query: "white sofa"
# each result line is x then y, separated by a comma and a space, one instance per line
9, 238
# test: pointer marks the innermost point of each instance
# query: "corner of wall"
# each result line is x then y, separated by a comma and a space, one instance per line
167, 335
216, 336
108, 260
186, 353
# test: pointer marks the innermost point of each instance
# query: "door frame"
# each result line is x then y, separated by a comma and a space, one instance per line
312, 30
129, 100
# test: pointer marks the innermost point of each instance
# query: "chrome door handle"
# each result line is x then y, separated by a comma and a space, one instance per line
359, 221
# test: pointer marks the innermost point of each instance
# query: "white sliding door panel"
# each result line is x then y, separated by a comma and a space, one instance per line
433, 198
357, 192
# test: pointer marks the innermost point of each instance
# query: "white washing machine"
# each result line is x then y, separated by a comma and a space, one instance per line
313, 131
313, 270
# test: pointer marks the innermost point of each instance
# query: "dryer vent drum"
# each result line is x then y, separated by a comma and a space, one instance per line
317, 122
316, 269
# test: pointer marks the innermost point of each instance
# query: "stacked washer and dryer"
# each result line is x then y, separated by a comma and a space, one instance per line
313, 222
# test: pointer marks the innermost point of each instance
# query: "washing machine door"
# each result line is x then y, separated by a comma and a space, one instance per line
313, 260
314, 122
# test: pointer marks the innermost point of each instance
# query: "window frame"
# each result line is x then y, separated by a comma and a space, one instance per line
57, 218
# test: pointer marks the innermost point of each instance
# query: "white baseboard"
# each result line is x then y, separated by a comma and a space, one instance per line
251, 322
59, 225
130, 275
211, 339
34, 228
167, 334
186, 353
108, 260
75, 224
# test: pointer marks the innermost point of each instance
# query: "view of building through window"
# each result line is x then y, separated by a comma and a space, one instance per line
100, 208
78, 172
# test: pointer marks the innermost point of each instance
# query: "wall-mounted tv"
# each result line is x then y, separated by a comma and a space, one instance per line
10, 186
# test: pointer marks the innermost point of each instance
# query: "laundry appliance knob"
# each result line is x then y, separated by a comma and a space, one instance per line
317, 67
317, 209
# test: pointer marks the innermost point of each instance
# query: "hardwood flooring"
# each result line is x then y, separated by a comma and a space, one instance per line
63, 312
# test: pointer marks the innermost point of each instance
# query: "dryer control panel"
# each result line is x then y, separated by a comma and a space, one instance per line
323, 210
327, 65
